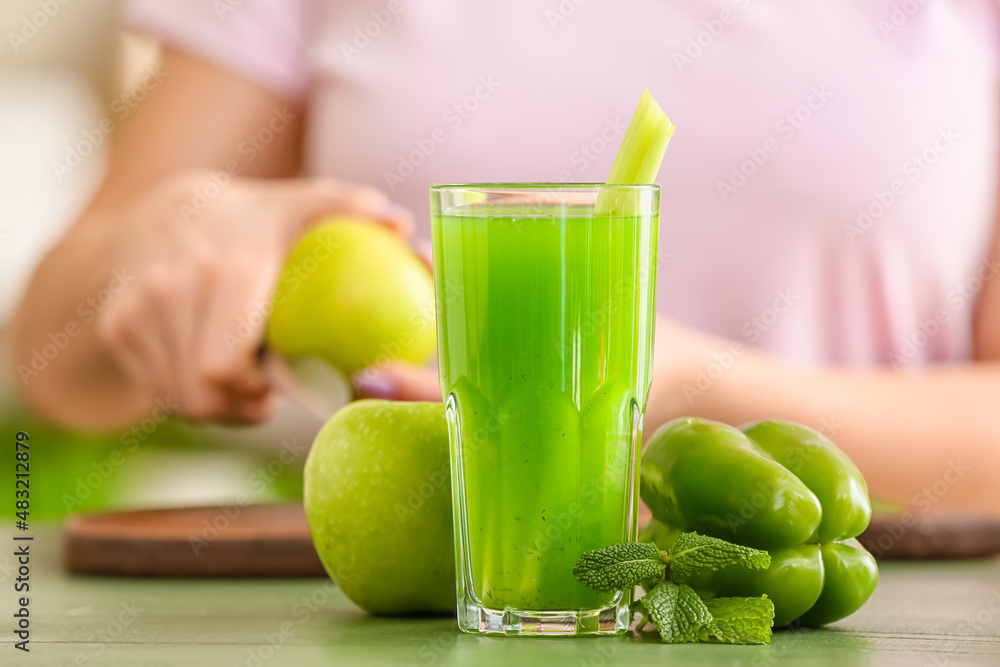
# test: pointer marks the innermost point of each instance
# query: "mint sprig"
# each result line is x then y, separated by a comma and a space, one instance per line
739, 621
679, 614
619, 567
693, 553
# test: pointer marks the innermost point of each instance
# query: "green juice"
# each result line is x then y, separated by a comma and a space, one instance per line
545, 333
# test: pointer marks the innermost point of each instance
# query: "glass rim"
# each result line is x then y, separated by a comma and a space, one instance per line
541, 186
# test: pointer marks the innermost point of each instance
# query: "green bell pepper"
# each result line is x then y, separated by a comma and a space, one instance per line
822, 467
794, 581
850, 576
772, 485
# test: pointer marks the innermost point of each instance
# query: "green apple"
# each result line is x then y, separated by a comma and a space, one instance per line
378, 500
353, 294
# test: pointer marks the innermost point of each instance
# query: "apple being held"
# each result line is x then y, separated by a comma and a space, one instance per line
378, 501
353, 294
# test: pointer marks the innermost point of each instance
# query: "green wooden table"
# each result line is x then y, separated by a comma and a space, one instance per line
923, 613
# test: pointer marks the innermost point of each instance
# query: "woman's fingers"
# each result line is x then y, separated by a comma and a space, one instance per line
312, 199
131, 332
233, 325
398, 381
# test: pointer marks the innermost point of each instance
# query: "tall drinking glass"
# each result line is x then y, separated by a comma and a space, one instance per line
545, 313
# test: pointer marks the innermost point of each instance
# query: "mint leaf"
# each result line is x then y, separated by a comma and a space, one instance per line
678, 612
638, 608
739, 621
693, 553
619, 567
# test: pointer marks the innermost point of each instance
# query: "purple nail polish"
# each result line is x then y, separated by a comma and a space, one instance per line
375, 386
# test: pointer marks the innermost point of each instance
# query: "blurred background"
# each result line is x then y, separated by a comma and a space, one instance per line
70, 75
65, 84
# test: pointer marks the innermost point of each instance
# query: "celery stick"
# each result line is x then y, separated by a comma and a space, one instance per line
645, 142
639, 157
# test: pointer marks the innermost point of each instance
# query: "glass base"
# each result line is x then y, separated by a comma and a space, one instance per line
611, 620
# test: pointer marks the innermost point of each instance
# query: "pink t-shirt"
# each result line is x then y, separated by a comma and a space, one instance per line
828, 195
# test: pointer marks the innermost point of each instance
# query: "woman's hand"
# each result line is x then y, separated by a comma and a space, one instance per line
398, 381
190, 323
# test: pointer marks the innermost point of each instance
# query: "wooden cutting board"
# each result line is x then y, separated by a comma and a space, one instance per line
252, 541
274, 541
932, 537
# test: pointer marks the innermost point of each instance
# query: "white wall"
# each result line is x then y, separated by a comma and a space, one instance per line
61, 62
